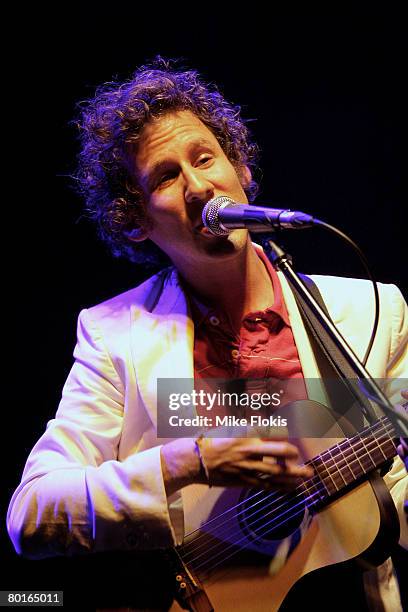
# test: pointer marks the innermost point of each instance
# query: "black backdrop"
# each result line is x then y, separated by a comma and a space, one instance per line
325, 92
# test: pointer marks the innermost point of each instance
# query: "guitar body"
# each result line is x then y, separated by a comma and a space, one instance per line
340, 532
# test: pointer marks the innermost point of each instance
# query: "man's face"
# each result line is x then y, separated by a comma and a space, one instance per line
180, 166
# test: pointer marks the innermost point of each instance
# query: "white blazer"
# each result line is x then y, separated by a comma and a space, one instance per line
93, 481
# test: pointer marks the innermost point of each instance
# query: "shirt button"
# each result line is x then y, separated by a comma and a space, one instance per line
234, 353
214, 320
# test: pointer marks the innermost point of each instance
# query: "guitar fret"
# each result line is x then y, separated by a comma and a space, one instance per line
375, 450
334, 451
336, 472
347, 465
379, 447
326, 469
358, 460
315, 463
377, 454
339, 468
315, 493
341, 463
365, 460
390, 448
389, 441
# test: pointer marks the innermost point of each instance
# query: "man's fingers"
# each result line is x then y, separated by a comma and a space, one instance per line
288, 470
273, 449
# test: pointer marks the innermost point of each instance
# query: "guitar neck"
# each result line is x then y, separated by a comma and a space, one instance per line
348, 462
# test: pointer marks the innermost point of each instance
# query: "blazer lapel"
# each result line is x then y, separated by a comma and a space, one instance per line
162, 342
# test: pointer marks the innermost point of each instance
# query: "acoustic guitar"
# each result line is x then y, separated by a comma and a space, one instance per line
246, 548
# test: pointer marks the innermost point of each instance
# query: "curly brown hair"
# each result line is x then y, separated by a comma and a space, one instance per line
110, 127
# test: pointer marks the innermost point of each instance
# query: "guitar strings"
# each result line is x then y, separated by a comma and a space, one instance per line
270, 498
265, 532
232, 545
318, 485
237, 542
210, 569
289, 507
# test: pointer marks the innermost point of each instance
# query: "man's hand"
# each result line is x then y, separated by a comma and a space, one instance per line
233, 462
252, 461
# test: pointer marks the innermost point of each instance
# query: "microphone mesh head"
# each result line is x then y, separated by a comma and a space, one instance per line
210, 215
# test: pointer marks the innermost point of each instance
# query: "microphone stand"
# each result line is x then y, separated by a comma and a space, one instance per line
281, 261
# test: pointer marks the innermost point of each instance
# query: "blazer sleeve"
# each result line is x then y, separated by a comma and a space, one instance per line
397, 377
75, 495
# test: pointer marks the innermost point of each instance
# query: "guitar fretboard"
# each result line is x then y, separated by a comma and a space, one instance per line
348, 462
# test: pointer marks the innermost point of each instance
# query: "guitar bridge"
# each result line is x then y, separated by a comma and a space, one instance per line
188, 591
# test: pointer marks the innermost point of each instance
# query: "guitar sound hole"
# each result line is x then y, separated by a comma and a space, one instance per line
270, 516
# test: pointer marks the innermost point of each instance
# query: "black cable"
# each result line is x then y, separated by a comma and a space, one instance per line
370, 275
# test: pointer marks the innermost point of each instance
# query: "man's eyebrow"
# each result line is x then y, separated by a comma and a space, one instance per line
201, 142
147, 177
157, 168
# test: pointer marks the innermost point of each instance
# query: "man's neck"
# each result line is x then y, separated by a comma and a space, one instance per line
236, 286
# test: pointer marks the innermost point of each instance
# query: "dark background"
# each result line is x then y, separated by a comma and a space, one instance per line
325, 92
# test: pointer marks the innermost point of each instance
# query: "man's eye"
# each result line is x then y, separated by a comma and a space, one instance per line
204, 159
166, 177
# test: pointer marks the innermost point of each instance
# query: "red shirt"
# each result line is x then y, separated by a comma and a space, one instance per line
263, 348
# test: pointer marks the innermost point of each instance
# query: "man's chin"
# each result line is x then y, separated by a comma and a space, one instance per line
229, 245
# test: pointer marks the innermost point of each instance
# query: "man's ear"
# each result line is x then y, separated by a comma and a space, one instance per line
138, 234
245, 176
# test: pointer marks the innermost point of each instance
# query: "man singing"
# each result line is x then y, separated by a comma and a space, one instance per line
155, 150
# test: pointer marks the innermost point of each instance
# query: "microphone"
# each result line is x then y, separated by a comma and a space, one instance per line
221, 215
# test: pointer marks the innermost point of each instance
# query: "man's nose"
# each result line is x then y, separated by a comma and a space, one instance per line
198, 187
